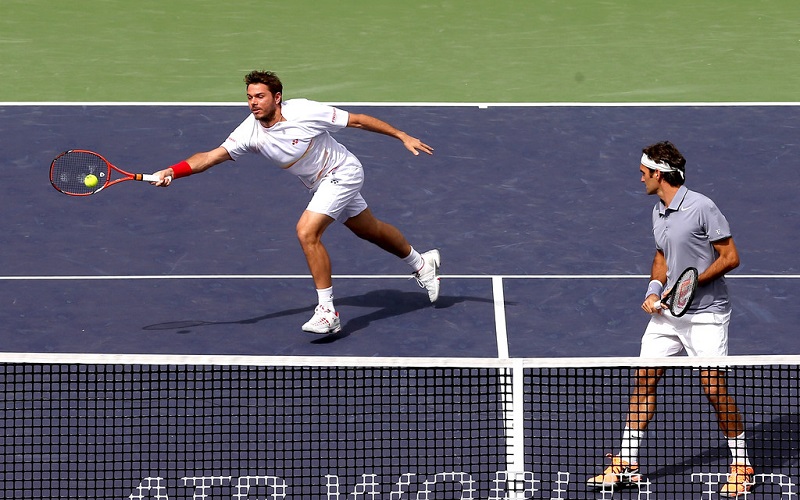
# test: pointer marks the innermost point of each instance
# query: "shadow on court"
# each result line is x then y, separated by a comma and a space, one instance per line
389, 303
783, 433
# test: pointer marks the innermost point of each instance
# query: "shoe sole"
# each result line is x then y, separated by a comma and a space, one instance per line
618, 484
335, 329
622, 483
437, 262
730, 494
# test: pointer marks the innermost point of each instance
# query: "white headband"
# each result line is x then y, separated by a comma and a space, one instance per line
661, 167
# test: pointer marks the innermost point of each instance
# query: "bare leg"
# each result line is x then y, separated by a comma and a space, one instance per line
716, 388
642, 405
382, 234
624, 468
309, 231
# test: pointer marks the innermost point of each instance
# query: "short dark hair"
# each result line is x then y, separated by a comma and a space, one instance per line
666, 152
267, 78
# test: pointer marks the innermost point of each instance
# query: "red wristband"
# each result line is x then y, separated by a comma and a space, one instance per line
181, 169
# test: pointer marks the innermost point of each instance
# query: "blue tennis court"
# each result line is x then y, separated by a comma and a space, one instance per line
545, 198
544, 230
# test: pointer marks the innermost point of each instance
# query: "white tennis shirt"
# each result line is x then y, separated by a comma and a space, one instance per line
302, 144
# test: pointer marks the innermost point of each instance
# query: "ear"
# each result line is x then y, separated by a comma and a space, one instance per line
278, 98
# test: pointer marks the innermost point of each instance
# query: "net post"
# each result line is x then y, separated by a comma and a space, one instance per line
514, 390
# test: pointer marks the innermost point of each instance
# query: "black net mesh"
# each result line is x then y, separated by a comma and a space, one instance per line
576, 416
116, 431
139, 431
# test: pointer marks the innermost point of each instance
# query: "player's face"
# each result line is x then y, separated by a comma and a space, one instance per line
649, 179
264, 105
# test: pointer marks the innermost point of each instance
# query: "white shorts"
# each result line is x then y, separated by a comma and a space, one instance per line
338, 194
700, 335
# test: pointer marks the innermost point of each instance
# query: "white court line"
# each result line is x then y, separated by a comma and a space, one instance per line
362, 276
377, 361
498, 295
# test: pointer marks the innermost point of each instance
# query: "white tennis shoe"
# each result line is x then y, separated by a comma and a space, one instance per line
428, 276
323, 321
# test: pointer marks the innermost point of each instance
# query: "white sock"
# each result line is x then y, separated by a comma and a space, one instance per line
414, 260
629, 450
325, 297
739, 450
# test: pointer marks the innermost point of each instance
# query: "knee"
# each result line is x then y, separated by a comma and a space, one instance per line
714, 386
646, 381
716, 395
306, 235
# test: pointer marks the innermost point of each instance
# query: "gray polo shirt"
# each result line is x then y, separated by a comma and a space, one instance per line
684, 232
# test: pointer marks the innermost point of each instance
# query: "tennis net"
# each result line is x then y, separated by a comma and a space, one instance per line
208, 427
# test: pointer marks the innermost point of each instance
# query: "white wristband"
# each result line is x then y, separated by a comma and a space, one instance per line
654, 288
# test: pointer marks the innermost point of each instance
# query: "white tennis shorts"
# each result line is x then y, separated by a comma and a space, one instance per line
338, 194
701, 335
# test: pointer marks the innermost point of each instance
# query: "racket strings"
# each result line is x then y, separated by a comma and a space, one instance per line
685, 289
69, 171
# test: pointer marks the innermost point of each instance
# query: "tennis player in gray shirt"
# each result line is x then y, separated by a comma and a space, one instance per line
689, 231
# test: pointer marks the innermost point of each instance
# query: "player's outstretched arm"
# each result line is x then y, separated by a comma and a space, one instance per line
367, 122
198, 162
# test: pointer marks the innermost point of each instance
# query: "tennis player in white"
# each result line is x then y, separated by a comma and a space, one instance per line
689, 230
296, 136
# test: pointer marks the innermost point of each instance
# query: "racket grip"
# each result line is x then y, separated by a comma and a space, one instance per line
149, 177
657, 304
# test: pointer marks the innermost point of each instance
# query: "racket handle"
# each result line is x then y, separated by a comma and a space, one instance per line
657, 304
149, 177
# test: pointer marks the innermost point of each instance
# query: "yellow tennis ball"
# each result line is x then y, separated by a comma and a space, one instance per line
90, 180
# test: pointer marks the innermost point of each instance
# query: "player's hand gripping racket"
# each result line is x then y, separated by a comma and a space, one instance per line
681, 295
79, 172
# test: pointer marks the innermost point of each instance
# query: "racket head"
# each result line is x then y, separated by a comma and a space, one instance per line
68, 172
682, 293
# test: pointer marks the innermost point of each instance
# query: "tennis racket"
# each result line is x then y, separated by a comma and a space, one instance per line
681, 295
70, 169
